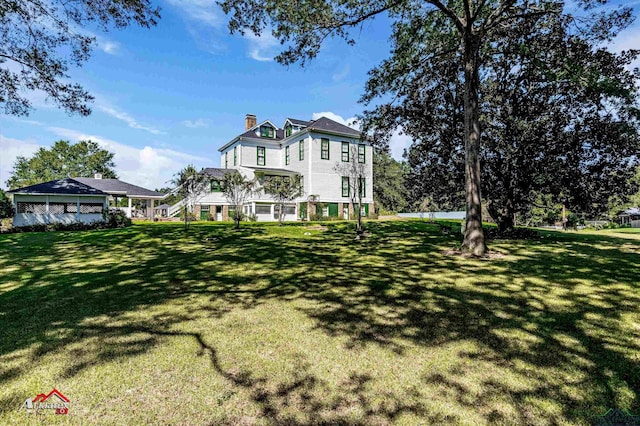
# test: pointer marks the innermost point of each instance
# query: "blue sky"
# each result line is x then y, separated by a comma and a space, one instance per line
170, 96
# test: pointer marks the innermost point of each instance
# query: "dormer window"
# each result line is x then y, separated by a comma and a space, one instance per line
288, 130
266, 131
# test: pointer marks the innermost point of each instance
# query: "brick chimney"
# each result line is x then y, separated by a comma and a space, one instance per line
249, 121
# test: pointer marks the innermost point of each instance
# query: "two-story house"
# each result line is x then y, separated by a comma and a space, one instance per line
311, 149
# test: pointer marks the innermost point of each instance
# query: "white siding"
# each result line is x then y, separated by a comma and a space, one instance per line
320, 176
26, 219
325, 181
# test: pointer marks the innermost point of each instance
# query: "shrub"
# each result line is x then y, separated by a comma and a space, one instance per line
192, 216
113, 219
384, 212
573, 220
117, 219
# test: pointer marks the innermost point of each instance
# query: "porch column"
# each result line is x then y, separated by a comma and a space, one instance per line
129, 215
150, 208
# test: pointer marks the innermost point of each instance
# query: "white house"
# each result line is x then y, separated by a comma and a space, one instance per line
311, 149
58, 201
77, 199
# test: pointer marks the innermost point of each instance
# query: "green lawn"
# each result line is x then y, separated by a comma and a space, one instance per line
289, 325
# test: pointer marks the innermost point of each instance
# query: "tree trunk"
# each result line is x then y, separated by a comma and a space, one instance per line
473, 237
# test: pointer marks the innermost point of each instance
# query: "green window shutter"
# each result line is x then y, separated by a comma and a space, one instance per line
333, 209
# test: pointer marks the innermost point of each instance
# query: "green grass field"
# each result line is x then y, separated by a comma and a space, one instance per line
294, 325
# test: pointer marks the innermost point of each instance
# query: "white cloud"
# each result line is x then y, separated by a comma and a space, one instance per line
262, 48
196, 124
204, 21
398, 143
205, 12
109, 47
148, 167
342, 74
121, 115
351, 121
10, 149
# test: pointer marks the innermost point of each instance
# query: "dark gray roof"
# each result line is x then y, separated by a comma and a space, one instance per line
218, 173
252, 134
118, 187
632, 211
298, 122
66, 186
271, 170
323, 123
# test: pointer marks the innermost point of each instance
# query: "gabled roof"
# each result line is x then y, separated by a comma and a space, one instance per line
118, 187
257, 126
326, 124
297, 122
323, 124
217, 173
66, 186
279, 135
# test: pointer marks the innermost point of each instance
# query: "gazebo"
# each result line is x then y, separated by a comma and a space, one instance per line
162, 210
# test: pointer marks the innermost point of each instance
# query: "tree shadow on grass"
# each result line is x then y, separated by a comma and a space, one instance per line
561, 313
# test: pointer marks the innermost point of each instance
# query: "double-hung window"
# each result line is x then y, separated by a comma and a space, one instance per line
361, 153
301, 150
226, 159
261, 156
345, 186
362, 186
345, 152
287, 157
235, 155
324, 149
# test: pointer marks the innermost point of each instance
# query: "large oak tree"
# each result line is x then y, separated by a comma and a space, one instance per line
63, 159
559, 117
464, 25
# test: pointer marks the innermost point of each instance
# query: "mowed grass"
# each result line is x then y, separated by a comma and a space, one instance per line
291, 325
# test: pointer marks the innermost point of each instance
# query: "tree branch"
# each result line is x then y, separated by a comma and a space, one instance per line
449, 13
